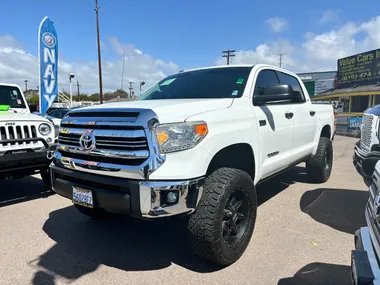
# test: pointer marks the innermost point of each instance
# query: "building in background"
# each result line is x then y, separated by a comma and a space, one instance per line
318, 82
357, 88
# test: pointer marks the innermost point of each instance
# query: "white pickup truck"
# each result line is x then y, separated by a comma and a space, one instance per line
197, 143
26, 140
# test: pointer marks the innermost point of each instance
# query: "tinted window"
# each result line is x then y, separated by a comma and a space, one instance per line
264, 79
292, 81
11, 96
201, 84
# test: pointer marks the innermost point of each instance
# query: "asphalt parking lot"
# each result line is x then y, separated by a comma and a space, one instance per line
303, 235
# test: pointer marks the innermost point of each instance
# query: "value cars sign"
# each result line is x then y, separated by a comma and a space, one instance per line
359, 69
48, 64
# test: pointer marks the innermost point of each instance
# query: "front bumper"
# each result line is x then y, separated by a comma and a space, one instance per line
365, 162
141, 199
365, 267
19, 163
364, 264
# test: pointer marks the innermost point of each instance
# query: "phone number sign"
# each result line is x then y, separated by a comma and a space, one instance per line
360, 69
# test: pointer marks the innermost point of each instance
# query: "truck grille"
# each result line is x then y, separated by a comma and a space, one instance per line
17, 132
365, 140
114, 141
371, 206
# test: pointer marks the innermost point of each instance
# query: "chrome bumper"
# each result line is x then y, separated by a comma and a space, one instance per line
141, 199
152, 197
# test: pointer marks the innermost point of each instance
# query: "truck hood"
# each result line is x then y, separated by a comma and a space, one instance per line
176, 110
10, 116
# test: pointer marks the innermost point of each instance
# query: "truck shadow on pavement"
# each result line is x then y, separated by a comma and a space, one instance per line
340, 209
319, 273
22, 190
82, 244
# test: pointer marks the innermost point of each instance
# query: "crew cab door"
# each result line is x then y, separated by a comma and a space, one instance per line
275, 125
305, 122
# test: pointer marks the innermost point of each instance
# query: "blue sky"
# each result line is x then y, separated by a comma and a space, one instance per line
185, 34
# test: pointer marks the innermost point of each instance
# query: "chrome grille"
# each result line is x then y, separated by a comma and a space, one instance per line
366, 132
17, 132
116, 142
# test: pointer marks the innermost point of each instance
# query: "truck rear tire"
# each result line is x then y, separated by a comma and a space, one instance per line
93, 213
221, 227
320, 165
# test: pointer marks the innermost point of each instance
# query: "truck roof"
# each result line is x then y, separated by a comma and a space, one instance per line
241, 65
9, 84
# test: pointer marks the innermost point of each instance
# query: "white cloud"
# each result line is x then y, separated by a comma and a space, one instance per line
277, 24
16, 65
329, 16
317, 52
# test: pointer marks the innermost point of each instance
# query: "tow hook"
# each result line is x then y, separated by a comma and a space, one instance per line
50, 152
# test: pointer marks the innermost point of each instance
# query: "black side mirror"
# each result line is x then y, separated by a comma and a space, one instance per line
275, 93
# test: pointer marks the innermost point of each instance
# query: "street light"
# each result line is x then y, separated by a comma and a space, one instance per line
71, 76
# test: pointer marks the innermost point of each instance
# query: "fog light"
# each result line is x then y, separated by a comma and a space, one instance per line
171, 197
49, 140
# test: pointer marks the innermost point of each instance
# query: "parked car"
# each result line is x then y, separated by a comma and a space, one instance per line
196, 143
26, 140
365, 264
367, 149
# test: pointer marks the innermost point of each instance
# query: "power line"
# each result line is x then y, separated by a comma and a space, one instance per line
228, 54
281, 55
99, 57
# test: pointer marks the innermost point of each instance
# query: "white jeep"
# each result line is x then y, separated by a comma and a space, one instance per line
26, 140
197, 143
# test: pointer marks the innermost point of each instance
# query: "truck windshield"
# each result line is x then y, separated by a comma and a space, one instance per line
10, 95
201, 84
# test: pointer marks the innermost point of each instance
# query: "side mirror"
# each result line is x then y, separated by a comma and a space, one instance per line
275, 93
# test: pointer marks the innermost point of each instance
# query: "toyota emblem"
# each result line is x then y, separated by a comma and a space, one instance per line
87, 141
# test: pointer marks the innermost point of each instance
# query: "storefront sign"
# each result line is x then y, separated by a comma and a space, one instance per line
360, 69
354, 123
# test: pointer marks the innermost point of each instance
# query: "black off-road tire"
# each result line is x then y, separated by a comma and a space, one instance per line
45, 176
319, 166
93, 213
206, 235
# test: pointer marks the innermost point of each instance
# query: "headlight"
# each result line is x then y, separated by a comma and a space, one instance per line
44, 129
181, 136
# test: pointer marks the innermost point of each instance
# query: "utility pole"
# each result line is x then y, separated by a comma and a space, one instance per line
122, 73
130, 89
78, 90
26, 84
99, 57
280, 59
228, 54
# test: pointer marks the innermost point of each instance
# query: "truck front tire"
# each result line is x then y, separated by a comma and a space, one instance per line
221, 227
319, 166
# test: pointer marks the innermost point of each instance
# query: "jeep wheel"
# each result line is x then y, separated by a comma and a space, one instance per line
222, 225
45, 175
320, 165
93, 213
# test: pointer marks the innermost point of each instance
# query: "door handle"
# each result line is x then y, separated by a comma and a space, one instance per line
312, 113
289, 115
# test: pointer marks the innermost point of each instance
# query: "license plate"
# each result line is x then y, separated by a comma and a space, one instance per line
82, 197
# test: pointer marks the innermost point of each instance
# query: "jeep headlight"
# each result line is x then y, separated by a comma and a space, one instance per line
181, 136
44, 129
